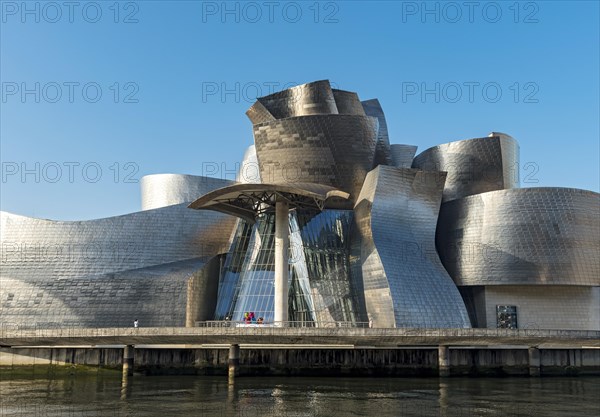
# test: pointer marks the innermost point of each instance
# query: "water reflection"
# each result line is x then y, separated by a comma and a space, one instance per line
126, 386
109, 395
443, 397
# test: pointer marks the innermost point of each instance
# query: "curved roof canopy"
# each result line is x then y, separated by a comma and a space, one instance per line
248, 200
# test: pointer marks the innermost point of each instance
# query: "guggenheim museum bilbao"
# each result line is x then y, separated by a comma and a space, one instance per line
327, 222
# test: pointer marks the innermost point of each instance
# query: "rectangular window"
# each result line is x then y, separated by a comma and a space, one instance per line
506, 317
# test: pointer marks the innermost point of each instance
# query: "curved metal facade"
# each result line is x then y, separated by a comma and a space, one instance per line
347, 102
156, 296
404, 282
302, 100
315, 134
249, 170
334, 150
504, 255
474, 166
109, 271
39, 249
528, 236
402, 155
382, 153
161, 190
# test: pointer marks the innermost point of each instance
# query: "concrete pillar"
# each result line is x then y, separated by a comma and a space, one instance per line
534, 361
443, 361
282, 244
234, 362
128, 360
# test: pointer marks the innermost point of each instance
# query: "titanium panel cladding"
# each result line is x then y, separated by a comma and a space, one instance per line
37, 249
302, 100
161, 190
348, 102
543, 236
474, 166
383, 153
334, 150
405, 284
106, 272
402, 155
156, 296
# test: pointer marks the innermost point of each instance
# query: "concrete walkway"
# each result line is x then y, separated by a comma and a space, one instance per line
298, 336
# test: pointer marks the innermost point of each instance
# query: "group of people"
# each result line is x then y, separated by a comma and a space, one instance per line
250, 318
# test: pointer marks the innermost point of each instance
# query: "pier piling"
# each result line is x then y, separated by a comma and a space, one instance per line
444, 361
128, 351
534, 361
234, 362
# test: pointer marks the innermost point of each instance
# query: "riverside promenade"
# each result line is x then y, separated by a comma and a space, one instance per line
266, 335
306, 350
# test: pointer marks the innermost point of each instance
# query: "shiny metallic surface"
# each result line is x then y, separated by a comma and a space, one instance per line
382, 153
161, 190
229, 277
363, 243
155, 295
348, 102
319, 135
528, 236
404, 282
281, 260
37, 249
302, 100
474, 166
249, 170
106, 272
326, 253
257, 282
248, 200
334, 150
402, 155
258, 113
319, 270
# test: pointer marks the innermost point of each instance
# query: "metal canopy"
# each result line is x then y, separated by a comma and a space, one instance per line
249, 200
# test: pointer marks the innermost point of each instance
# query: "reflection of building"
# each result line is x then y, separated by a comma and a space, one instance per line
327, 222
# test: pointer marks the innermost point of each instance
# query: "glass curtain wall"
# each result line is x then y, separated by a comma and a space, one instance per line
326, 243
321, 290
232, 270
256, 286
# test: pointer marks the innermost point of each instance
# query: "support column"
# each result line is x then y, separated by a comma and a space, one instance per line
234, 362
128, 351
443, 361
534, 361
282, 244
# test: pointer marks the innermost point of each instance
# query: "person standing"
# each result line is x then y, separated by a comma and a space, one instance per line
136, 323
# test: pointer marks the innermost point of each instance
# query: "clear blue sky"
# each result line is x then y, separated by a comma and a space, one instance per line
178, 50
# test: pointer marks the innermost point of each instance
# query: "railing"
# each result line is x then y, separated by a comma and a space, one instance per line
292, 324
55, 330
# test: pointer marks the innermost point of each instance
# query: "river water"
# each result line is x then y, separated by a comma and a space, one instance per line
168, 396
